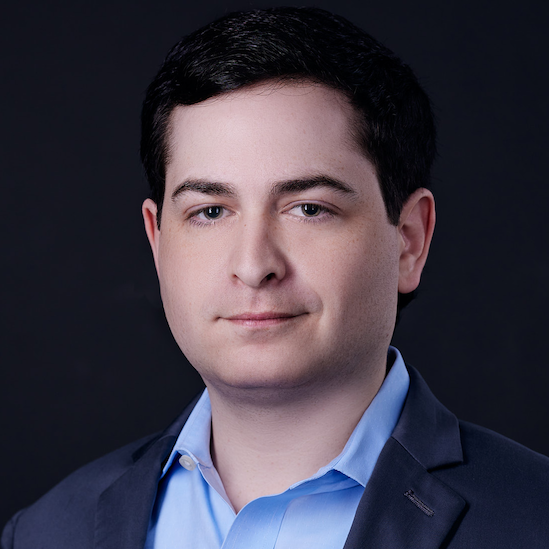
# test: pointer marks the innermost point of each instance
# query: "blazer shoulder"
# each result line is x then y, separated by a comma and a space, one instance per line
76, 496
65, 516
95, 476
506, 487
501, 455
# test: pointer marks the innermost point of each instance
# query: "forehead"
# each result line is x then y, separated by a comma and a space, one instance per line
279, 128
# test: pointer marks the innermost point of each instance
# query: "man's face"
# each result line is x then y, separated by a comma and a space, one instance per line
278, 266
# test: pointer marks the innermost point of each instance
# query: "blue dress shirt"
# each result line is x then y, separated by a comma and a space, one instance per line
193, 511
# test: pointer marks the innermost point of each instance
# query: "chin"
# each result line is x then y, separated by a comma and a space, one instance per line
260, 379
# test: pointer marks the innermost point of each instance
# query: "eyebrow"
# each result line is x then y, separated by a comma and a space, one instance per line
203, 186
290, 186
304, 184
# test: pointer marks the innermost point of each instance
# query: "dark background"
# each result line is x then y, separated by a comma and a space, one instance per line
87, 360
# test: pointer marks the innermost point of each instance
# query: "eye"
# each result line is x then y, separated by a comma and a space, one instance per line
208, 215
309, 210
212, 212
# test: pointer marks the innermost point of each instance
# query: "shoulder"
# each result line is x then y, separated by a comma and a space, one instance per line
93, 478
481, 443
66, 516
501, 466
440, 441
68, 509
122, 484
506, 487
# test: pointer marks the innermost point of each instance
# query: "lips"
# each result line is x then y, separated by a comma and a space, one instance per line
262, 319
261, 316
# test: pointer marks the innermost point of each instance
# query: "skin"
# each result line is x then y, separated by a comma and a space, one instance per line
279, 272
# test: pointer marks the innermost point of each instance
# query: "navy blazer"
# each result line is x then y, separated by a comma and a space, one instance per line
438, 483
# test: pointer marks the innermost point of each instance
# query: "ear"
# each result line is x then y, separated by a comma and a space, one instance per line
416, 226
150, 211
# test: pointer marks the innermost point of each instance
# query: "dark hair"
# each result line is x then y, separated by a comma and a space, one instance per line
394, 124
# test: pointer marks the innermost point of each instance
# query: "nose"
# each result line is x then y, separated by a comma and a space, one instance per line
257, 257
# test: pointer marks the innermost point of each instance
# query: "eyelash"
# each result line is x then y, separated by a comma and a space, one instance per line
324, 213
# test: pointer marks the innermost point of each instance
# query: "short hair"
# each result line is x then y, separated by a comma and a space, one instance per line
394, 126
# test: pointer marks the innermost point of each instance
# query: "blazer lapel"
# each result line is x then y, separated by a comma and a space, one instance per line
124, 508
404, 505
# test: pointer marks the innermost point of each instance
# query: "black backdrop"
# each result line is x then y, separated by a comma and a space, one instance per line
87, 361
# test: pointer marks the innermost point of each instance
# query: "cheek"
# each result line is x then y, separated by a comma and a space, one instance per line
183, 273
360, 279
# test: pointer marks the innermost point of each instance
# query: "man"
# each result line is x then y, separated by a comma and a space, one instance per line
289, 155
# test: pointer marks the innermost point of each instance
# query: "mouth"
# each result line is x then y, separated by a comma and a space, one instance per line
263, 320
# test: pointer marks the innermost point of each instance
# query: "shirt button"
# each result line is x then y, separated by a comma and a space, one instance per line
187, 462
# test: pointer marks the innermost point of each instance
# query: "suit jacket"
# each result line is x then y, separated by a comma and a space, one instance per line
438, 483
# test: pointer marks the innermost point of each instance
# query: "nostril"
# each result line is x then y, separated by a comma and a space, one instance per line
269, 276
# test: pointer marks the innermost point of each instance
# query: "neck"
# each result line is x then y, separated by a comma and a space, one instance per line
261, 446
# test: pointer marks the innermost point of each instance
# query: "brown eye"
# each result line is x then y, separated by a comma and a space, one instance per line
310, 210
213, 212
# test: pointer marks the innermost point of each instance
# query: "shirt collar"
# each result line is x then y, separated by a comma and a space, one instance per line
359, 456
194, 438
